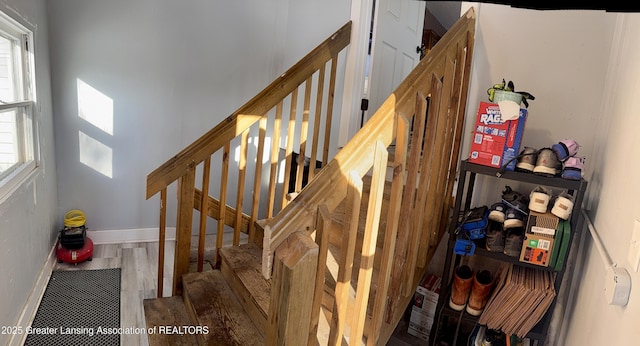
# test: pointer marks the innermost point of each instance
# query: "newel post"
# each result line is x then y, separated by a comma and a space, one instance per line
293, 284
186, 191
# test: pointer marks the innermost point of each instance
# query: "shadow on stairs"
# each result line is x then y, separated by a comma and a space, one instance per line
209, 312
229, 305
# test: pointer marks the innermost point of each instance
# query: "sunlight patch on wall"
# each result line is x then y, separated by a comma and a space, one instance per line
95, 155
281, 170
95, 107
266, 154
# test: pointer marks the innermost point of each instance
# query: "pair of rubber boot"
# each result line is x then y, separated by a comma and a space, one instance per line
470, 289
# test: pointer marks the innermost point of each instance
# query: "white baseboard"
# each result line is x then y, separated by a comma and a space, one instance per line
98, 237
137, 235
33, 302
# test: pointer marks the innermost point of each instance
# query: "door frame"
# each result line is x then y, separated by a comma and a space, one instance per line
356, 64
362, 15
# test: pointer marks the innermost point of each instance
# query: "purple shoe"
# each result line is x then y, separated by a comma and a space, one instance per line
573, 168
565, 148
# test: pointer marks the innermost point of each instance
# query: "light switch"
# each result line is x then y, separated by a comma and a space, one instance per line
634, 247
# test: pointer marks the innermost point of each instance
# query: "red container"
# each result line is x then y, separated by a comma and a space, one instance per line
495, 141
75, 256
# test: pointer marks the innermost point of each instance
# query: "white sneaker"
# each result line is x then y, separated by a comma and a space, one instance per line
563, 206
539, 199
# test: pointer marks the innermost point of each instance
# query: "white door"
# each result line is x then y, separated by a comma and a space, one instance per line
397, 34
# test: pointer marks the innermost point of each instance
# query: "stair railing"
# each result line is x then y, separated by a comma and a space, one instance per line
315, 72
421, 124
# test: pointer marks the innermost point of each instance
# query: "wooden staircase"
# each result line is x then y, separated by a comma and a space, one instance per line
339, 262
233, 300
229, 303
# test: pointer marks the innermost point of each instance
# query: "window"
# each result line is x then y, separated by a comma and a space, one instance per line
18, 140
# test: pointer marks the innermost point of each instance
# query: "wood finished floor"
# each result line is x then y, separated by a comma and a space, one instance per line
138, 263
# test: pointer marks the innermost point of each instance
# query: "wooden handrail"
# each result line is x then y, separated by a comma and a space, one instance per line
308, 73
329, 186
433, 96
434, 93
252, 111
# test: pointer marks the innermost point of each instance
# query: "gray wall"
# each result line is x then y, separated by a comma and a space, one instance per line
558, 56
614, 187
160, 65
28, 216
171, 70
447, 12
583, 68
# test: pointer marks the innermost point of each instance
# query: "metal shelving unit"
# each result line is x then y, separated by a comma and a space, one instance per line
466, 180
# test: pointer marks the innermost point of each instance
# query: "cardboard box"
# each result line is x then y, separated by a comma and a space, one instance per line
424, 307
420, 325
495, 141
427, 293
539, 238
537, 250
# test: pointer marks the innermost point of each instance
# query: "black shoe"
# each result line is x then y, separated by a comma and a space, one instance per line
513, 242
515, 200
495, 237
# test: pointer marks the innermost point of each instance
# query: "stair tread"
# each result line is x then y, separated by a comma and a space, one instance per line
211, 303
169, 311
241, 266
248, 251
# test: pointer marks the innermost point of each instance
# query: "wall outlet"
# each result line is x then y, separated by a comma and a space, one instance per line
634, 246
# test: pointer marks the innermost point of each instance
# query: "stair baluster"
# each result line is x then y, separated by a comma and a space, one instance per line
347, 224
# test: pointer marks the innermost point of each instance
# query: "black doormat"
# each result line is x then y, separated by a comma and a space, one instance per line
79, 307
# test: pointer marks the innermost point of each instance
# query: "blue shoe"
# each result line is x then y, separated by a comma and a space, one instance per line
565, 149
573, 168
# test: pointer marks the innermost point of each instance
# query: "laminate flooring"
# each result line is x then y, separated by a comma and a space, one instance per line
138, 263
139, 268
